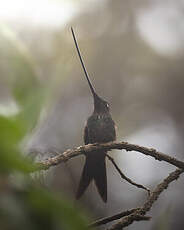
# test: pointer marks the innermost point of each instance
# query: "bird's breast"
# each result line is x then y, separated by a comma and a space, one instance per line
101, 129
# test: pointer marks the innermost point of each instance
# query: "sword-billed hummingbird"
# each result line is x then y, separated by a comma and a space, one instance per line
100, 128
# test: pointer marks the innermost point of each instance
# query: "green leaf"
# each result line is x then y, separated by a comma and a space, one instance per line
11, 134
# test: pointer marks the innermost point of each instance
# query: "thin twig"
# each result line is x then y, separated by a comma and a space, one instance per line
125, 177
70, 153
124, 222
106, 220
116, 217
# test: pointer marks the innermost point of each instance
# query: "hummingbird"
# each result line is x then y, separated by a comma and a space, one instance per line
99, 128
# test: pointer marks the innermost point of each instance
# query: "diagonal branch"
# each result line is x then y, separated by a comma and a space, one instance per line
70, 153
106, 220
124, 222
125, 177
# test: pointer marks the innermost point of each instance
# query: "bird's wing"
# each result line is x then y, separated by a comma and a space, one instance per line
86, 137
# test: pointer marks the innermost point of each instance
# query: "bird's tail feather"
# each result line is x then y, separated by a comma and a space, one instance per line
94, 168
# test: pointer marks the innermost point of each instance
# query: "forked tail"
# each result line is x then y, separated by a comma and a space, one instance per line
94, 168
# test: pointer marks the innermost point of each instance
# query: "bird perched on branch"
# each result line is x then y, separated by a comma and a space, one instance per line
100, 128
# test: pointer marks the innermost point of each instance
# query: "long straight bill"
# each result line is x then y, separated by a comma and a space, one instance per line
82, 63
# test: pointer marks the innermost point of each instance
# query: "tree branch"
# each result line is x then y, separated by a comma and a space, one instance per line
124, 222
70, 153
106, 220
125, 177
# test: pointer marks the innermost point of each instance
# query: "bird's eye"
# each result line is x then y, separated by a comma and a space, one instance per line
107, 105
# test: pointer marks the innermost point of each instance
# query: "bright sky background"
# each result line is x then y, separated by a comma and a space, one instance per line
37, 12
155, 24
162, 26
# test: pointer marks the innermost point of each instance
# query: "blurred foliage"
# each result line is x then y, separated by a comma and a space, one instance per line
24, 204
25, 86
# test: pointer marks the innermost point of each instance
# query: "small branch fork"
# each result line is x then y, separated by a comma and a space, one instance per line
129, 216
125, 177
129, 219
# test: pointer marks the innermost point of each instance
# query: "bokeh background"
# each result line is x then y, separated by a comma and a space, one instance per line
134, 53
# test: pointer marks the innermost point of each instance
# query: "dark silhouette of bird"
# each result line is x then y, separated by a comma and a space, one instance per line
100, 128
